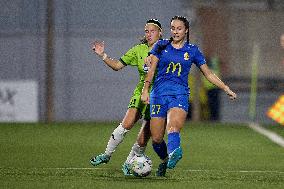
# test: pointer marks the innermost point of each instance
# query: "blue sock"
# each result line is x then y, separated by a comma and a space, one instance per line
161, 149
173, 141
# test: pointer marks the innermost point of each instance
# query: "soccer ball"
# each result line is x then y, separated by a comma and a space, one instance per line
141, 166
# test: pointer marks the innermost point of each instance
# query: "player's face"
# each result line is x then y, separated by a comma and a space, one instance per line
178, 30
152, 34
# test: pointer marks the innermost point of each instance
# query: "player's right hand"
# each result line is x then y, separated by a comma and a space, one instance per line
98, 47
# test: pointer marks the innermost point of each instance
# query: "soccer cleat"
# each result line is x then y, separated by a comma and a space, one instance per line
162, 169
100, 159
126, 168
174, 157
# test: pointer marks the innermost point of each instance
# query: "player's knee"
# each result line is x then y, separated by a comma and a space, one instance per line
127, 126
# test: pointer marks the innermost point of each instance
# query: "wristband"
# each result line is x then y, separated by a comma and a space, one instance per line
147, 81
104, 57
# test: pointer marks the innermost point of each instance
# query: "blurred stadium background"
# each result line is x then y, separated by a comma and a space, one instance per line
49, 73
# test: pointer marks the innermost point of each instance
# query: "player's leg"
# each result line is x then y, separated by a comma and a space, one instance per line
117, 136
131, 117
139, 146
144, 134
159, 145
175, 120
158, 109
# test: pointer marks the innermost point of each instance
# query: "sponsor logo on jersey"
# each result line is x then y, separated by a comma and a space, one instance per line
174, 68
186, 56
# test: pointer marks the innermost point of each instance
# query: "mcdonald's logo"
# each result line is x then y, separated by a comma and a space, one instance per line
174, 68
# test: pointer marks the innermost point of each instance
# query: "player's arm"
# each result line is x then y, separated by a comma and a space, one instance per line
98, 48
152, 61
112, 63
210, 76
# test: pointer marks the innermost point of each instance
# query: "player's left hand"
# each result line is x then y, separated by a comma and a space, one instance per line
230, 93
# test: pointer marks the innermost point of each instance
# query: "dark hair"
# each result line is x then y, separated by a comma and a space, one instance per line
185, 22
155, 22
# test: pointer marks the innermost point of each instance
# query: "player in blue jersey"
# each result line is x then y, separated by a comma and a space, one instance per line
172, 60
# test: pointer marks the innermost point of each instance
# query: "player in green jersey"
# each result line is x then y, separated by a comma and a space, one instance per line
136, 108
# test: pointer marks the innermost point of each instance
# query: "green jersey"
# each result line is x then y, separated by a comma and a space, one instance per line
135, 57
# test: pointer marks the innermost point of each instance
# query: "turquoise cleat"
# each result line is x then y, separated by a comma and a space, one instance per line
126, 168
174, 157
100, 159
162, 169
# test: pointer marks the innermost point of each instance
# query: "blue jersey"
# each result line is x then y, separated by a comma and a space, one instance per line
173, 68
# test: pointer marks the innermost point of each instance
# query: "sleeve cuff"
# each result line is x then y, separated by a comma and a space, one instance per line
122, 62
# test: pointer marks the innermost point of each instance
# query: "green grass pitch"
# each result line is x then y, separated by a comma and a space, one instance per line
215, 156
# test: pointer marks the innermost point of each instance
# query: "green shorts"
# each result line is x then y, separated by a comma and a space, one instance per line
144, 109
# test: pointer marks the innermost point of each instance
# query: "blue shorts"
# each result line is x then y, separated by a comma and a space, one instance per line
159, 106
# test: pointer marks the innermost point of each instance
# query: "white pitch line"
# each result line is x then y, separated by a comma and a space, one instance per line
188, 170
269, 134
234, 171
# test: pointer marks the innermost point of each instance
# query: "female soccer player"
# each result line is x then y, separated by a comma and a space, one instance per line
136, 109
172, 59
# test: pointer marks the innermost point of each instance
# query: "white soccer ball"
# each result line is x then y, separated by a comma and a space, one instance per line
141, 166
